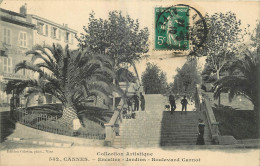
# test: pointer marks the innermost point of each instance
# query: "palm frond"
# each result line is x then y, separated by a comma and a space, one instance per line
19, 85
28, 66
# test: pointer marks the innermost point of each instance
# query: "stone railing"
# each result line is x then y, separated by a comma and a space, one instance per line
112, 128
48, 123
203, 104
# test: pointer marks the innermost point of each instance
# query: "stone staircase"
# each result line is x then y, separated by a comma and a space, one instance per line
155, 127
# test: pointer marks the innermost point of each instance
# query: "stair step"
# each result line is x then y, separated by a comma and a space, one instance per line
156, 127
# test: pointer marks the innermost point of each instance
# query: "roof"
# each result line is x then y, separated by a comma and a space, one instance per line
53, 23
28, 24
11, 19
12, 13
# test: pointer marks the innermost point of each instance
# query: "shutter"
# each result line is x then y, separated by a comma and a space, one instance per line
20, 37
59, 34
52, 32
8, 36
38, 27
46, 30
4, 35
72, 36
25, 40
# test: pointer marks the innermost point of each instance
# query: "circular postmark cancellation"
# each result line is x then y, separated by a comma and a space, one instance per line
179, 28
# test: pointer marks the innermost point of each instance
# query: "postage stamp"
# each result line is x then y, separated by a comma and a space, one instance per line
179, 28
172, 28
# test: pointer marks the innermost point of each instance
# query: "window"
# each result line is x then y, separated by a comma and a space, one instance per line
54, 32
67, 37
7, 36
7, 65
23, 39
46, 30
40, 28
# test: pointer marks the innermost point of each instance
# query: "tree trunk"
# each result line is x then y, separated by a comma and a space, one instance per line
219, 93
70, 117
114, 98
133, 64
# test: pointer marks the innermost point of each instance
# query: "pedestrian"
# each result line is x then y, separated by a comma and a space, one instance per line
136, 102
129, 104
184, 103
172, 102
200, 139
142, 100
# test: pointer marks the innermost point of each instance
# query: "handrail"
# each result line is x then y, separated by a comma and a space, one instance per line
114, 117
204, 105
110, 127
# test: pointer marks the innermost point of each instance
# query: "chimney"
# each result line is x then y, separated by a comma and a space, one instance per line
23, 9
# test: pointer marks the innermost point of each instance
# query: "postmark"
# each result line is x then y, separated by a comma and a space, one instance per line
179, 27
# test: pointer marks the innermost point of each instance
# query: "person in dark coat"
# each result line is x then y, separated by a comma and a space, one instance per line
172, 103
200, 139
142, 100
136, 101
129, 104
184, 103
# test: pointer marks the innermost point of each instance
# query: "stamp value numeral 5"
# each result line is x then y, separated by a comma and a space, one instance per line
161, 40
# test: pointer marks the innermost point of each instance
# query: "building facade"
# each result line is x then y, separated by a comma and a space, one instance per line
48, 32
16, 39
19, 33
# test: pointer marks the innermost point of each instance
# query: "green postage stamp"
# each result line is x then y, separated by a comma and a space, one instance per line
172, 28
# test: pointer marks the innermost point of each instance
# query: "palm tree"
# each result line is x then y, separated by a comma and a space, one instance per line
70, 76
244, 79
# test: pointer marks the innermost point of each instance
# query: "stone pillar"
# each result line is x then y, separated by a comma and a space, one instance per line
215, 132
110, 134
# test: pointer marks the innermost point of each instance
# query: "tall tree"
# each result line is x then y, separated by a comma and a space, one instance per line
244, 78
118, 37
220, 46
186, 78
154, 80
70, 76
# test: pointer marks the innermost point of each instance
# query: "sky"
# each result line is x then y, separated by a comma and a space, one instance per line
75, 13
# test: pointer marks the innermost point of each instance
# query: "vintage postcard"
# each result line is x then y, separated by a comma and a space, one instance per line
120, 82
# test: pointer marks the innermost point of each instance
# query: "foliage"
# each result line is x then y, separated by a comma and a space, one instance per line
244, 78
186, 78
220, 46
70, 76
118, 37
154, 80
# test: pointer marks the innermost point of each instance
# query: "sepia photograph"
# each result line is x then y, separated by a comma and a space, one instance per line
128, 82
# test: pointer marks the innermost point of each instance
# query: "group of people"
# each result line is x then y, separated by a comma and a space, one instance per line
184, 103
201, 125
135, 100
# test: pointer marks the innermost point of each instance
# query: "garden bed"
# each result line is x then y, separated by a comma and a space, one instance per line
242, 124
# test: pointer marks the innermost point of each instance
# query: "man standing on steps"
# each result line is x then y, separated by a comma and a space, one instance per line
142, 100
136, 101
184, 103
172, 102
